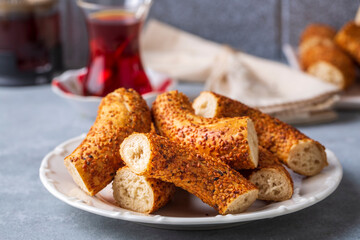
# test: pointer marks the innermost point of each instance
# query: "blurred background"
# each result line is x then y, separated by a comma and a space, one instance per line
34, 120
270, 22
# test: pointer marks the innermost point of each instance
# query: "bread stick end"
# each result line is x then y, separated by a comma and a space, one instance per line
76, 176
135, 152
273, 185
253, 143
242, 202
205, 105
307, 158
132, 191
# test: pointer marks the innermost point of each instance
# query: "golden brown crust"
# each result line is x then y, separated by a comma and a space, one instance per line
153, 129
315, 34
226, 139
214, 182
266, 160
320, 56
348, 38
317, 30
163, 192
273, 134
96, 160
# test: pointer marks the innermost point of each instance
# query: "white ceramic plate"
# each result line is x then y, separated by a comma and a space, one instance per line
185, 211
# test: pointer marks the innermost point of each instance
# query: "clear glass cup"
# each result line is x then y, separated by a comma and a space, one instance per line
30, 45
114, 29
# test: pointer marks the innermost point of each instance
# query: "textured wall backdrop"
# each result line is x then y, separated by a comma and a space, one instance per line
259, 27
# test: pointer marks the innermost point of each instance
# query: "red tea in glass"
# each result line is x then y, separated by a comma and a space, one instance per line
114, 53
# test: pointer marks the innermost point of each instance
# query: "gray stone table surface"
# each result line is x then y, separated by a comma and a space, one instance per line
33, 121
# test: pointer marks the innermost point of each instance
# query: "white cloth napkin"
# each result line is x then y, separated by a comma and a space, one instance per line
177, 53
273, 87
268, 85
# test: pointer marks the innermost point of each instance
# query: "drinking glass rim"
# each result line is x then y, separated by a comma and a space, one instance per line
93, 6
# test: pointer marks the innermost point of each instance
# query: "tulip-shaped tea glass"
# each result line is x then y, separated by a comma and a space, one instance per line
114, 28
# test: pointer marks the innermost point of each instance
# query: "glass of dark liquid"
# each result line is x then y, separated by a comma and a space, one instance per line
30, 45
114, 29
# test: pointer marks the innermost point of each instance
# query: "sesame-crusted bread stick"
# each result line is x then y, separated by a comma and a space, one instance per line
330, 64
315, 34
348, 38
319, 56
94, 162
139, 193
211, 180
232, 140
299, 152
270, 177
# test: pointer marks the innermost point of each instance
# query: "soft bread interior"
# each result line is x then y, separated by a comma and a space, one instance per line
272, 184
306, 158
242, 202
253, 142
205, 105
135, 151
132, 191
76, 176
327, 72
